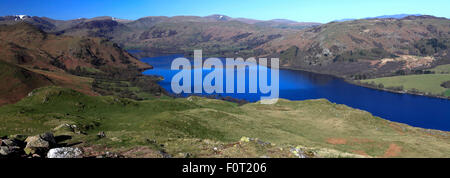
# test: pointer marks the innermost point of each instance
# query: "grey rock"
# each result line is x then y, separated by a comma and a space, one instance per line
35, 144
65, 152
49, 138
8, 142
101, 135
18, 138
9, 150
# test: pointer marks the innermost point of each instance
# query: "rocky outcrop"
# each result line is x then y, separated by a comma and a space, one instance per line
38, 146
9, 148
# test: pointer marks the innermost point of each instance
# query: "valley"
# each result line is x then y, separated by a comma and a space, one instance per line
77, 80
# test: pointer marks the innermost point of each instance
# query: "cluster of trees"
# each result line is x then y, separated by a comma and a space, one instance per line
411, 72
118, 82
372, 54
381, 86
432, 46
446, 84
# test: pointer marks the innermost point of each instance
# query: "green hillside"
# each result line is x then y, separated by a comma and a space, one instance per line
199, 127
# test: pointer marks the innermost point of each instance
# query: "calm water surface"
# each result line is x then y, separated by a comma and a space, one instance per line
419, 111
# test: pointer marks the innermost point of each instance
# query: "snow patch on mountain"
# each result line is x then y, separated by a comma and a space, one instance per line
21, 17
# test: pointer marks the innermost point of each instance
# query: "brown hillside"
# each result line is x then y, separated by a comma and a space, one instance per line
17, 82
27, 45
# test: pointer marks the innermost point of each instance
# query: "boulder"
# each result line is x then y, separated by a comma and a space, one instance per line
49, 138
9, 151
36, 145
8, 142
18, 138
65, 152
101, 135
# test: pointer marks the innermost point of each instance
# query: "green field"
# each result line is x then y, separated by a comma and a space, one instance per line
427, 83
214, 128
442, 69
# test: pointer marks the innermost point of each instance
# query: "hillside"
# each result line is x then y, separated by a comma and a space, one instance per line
215, 34
200, 127
367, 48
24, 44
35, 58
356, 49
17, 82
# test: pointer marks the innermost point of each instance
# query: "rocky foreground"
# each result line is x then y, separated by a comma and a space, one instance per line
38, 146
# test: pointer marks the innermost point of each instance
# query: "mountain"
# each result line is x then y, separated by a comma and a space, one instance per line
215, 34
33, 58
27, 45
286, 24
396, 16
367, 47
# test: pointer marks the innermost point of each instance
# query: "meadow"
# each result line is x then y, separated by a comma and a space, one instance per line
425, 83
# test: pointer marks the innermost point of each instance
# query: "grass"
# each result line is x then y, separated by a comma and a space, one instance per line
442, 69
427, 83
196, 125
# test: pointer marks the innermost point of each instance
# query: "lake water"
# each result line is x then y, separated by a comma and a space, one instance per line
418, 111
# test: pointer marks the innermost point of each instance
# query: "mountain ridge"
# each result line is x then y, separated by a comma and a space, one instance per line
327, 47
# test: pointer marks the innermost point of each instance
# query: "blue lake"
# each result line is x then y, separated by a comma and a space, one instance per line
418, 111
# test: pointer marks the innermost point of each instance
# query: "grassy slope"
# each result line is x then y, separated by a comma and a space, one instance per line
442, 69
196, 125
429, 83
17, 82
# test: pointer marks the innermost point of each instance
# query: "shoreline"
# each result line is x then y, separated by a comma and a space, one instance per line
355, 82
349, 81
394, 91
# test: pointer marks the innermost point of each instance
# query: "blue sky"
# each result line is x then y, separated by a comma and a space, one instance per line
299, 10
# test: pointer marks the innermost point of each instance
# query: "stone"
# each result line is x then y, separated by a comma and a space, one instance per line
64, 127
65, 152
298, 152
4, 151
18, 138
49, 138
150, 141
187, 155
101, 135
36, 145
8, 142
111, 155
245, 139
9, 150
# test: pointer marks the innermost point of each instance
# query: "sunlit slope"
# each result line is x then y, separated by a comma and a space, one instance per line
213, 128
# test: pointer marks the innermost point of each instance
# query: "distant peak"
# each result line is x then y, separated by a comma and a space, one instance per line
21, 17
218, 17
